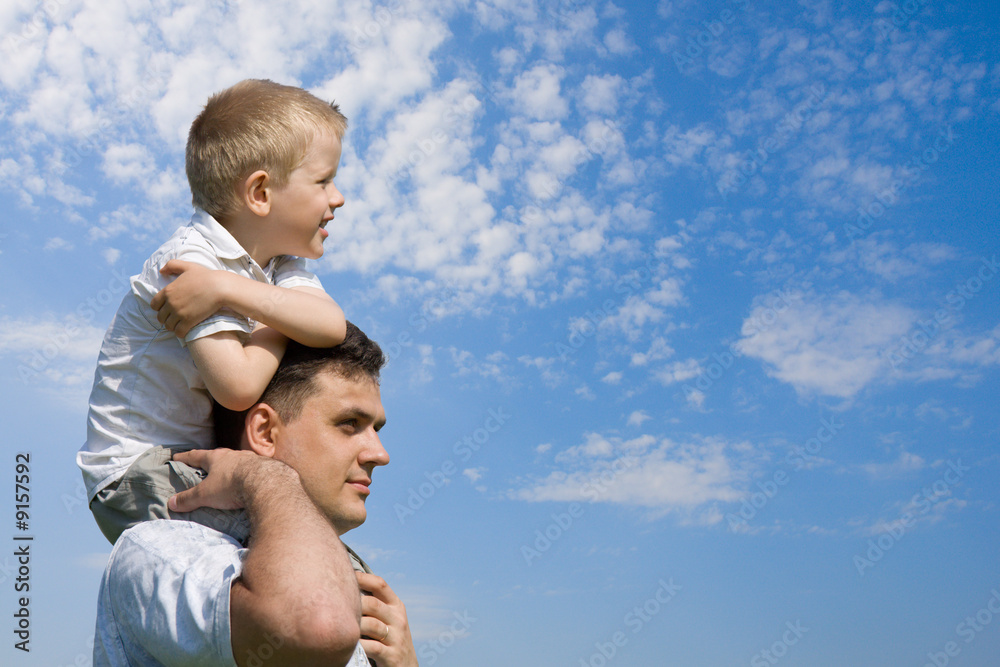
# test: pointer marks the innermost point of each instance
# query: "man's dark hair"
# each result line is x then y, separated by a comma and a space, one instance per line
293, 383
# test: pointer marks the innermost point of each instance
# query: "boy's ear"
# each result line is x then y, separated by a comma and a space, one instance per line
260, 429
257, 192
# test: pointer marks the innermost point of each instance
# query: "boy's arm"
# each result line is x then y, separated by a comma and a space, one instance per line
306, 315
236, 374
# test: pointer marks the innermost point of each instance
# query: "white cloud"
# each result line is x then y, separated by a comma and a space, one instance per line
879, 255
57, 243
111, 255
597, 446
51, 337
124, 163
633, 315
658, 349
667, 294
614, 377
945, 353
618, 42
390, 66
683, 148
905, 463
537, 93
59, 107
56, 355
678, 371
973, 350
695, 398
474, 474
551, 371
492, 366
929, 505
832, 345
422, 369
599, 94
637, 418
644, 472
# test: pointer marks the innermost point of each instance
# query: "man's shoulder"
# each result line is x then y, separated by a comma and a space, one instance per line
178, 545
165, 596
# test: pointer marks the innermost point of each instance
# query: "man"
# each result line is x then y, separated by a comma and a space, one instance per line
180, 593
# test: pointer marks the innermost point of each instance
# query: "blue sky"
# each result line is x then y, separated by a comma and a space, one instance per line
692, 309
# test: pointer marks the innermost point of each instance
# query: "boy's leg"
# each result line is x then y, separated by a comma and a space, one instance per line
142, 494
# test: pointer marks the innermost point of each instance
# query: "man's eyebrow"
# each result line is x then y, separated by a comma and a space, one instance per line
362, 415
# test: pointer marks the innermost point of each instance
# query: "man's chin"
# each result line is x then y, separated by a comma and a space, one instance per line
343, 523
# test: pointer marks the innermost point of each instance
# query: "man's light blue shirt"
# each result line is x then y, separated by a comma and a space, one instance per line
164, 599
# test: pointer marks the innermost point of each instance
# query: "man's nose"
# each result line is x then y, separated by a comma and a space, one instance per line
374, 452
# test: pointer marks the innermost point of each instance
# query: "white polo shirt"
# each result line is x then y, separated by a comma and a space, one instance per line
147, 391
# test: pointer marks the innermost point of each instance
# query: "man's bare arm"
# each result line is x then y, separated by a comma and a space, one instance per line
297, 591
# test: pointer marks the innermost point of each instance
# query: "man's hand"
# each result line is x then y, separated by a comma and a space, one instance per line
223, 487
385, 632
194, 295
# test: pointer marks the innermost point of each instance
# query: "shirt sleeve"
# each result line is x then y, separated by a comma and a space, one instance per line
151, 281
165, 596
291, 272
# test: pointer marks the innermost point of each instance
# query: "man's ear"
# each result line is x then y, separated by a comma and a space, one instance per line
261, 429
257, 192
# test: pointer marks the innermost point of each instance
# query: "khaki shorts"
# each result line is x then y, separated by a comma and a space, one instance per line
142, 494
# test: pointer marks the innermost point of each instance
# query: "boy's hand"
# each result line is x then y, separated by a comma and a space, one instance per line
195, 294
226, 470
385, 631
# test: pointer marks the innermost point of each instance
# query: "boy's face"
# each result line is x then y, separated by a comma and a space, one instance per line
301, 209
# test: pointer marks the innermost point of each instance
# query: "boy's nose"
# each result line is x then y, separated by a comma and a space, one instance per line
336, 199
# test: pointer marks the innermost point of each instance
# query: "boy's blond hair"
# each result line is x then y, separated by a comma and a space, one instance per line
255, 124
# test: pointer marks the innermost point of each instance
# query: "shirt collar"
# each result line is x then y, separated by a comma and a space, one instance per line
218, 236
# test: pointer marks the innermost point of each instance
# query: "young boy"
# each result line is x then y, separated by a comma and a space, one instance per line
210, 313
